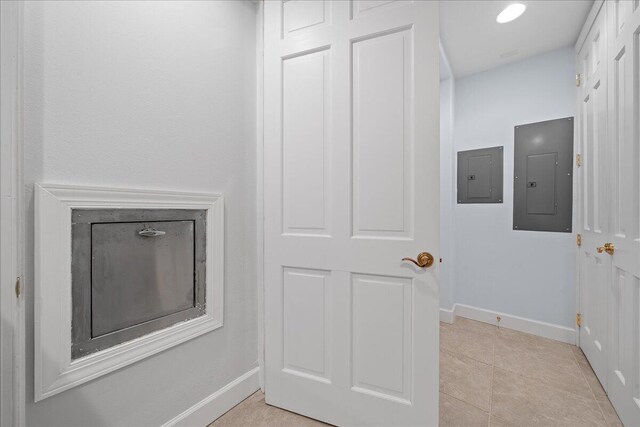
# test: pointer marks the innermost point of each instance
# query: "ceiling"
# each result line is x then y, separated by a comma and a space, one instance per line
474, 41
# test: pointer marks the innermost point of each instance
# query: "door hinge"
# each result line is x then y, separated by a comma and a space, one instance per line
578, 160
578, 80
18, 287
578, 319
579, 240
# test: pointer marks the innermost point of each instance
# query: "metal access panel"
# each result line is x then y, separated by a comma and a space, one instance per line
134, 271
543, 181
480, 175
137, 278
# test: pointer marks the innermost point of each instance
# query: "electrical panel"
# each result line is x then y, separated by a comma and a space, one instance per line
543, 178
480, 175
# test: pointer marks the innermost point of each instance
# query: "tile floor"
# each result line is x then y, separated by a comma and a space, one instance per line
488, 376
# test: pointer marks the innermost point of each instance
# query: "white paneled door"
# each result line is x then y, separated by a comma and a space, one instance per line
623, 61
609, 276
594, 267
351, 180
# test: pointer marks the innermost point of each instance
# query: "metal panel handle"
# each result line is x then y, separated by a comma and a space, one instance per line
151, 232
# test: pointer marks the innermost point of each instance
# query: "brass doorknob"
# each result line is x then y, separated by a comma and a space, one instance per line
425, 259
608, 248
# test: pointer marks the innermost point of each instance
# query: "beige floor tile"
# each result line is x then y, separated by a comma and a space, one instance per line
590, 377
577, 351
535, 382
610, 415
595, 386
456, 413
558, 370
520, 341
254, 412
475, 326
498, 422
461, 341
523, 401
465, 379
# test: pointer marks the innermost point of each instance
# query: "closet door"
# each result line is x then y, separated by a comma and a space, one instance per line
594, 266
623, 59
351, 178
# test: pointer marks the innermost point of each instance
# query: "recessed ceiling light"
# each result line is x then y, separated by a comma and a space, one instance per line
511, 12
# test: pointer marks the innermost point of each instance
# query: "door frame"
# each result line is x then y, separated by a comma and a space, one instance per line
596, 8
260, 189
11, 226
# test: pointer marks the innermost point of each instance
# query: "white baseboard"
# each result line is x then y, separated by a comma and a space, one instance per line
447, 316
509, 321
215, 405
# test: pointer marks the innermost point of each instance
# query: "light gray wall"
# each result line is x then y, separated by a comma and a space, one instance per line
157, 95
447, 191
523, 273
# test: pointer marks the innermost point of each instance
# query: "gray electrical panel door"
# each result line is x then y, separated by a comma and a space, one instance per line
543, 181
480, 175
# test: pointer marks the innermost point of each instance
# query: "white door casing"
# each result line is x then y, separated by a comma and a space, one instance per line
351, 179
623, 62
593, 267
12, 339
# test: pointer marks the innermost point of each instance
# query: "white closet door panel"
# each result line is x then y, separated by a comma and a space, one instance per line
382, 139
593, 267
382, 341
306, 159
624, 133
307, 301
300, 16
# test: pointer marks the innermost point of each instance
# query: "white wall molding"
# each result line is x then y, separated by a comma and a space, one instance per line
447, 316
215, 405
509, 321
55, 371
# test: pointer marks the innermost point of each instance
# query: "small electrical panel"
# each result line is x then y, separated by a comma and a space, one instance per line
543, 176
480, 175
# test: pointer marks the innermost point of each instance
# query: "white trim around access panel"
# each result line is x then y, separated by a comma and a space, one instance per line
55, 371
212, 407
509, 321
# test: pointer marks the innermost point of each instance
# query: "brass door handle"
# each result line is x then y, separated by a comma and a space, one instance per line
608, 248
425, 259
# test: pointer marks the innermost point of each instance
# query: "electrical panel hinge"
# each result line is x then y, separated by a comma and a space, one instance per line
578, 160
578, 80
18, 287
579, 240
578, 319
